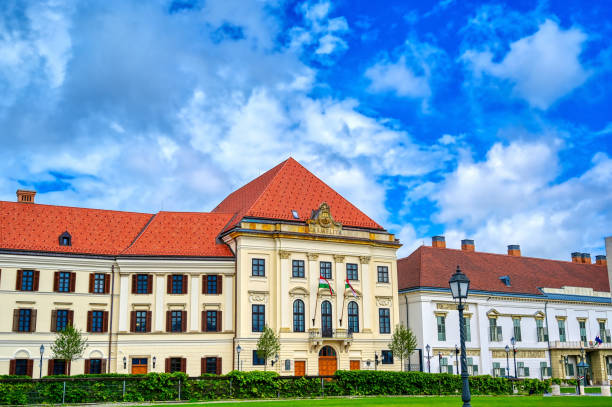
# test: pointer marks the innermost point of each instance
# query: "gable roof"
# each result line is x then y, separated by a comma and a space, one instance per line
182, 234
433, 267
36, 227
286, 187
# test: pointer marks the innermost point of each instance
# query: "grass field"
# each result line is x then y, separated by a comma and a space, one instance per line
479, 401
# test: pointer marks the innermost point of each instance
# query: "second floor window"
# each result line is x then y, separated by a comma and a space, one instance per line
176, 321
142, 283
141, 321
258, 267
97, 321
61, 319
259, 317
211, 321
99, 280
297, 269
516, 323
27, 280
351, 271
211, 284
298, 316
25, 320
583, 334
383, 274
384, 320
326, 271
63, 284
561, 324
541, 332
441, 322
178, 286
353, 317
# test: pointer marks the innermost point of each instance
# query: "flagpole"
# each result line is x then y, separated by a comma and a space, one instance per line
314, 316
343, 299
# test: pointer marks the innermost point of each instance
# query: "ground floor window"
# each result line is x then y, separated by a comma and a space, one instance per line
387, 357
257, 361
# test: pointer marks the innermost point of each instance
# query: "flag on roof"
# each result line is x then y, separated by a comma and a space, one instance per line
348, 285
323, 283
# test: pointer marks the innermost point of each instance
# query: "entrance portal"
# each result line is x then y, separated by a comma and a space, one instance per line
328, 363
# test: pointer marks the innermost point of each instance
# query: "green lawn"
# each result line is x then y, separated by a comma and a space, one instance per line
479, 401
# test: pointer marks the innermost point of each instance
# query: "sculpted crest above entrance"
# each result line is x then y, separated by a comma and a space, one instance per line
321, 221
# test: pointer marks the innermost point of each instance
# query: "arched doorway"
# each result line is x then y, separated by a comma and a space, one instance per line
326, 319
328, 363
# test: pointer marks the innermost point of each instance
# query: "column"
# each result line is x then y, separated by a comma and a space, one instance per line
194, 312
160, 286
285, 307
124, 291
368, 301
483, 331
339, 276
228, 297
313, 273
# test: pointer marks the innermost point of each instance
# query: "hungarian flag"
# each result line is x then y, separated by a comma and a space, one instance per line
348, 285
323, 283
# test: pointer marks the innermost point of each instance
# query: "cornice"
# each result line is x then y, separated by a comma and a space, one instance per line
162, 266
55, 262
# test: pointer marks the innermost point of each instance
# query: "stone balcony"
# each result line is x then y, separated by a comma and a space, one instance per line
318, 336
590, 345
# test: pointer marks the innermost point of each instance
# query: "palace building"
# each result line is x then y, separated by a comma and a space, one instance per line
178, 291
557, 312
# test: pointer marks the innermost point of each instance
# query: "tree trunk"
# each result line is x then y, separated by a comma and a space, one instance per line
265, 364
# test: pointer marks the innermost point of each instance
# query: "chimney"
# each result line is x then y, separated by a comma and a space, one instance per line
601, 260
514, 250
25, 196
576, 257
438, 241
586, 258
467, 245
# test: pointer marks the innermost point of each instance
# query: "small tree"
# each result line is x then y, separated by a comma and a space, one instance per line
268, 345
403, 343
69, 344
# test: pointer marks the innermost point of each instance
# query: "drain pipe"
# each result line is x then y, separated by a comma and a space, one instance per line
110, 323
548, 336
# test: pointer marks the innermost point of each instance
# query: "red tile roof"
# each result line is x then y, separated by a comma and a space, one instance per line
183, 234
286, 187
433, 267
35, 227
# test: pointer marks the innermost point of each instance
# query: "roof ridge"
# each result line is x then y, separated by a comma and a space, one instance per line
139, 234
37, 205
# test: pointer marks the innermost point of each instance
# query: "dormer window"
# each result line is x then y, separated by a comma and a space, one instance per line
65, 239
505, 280
295, 214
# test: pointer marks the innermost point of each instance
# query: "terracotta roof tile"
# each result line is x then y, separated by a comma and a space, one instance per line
286, 187
432, 267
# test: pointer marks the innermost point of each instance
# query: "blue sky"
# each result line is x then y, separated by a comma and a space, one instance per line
482, 120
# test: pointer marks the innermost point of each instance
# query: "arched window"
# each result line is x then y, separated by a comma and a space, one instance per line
298, 316
326, 319
353, 317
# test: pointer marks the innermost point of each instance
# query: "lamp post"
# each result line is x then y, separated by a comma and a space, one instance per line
440, 361
459, 286
124, 363
428, 348
583, 366
376, 362
507, 361
238, 350
457, 357
368, 362
42, 351
154, 361
513, 342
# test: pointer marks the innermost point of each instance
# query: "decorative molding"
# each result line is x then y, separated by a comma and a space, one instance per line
61, 303
364, 259
446, 351
322, 221
561, 317
451, 306
440, 313
284, 254
312, 256
338, 258
258, 296
176, 306
98, 304
298, 292
383, 301
26, 302
493, 313
520, 353
539, 315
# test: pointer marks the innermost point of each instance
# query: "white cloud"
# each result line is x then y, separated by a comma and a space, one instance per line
542, 67
319, 30
396, 77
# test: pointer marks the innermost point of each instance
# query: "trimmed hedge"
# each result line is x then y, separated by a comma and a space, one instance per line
248, 385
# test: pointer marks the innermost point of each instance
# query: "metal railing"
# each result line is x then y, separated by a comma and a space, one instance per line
330, 334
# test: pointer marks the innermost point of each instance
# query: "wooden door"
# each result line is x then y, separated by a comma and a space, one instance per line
327, 365
355, 365
139, 366
300, 367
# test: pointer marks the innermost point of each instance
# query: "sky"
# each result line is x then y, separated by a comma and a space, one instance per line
481, 120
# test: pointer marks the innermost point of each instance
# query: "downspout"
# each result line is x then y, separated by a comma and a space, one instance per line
407, 313
548, 336
110, 323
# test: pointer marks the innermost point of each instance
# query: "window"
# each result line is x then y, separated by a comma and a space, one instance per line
97, 321
212, 286
604, 334
351, 271
65, 239
61, 320
353, 317
259, 317
468, 329
142, 283
176, 321
63, 285
495, 332
99, 279
326, 271
387, 357
27, 280
561, 324
583, 335
259, 267
441, 320
211, 321
257, 361
326, 320
59, 366
25, 320
384, 320
211, 365
95, 366
298, 316
21, 367
569, 370
176, 365
542, 333
141, 321
516, 323
177, 284
297, 268
383, 274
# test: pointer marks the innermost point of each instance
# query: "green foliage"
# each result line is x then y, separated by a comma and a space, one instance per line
268, 345
69, 344
403, 343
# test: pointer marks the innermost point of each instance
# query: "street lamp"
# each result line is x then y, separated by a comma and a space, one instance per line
376, 362
583, 366
42, 351
513, 342
459, 286
456, 358
428, 348
507, 361
124, 363
154, 361
238, 350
